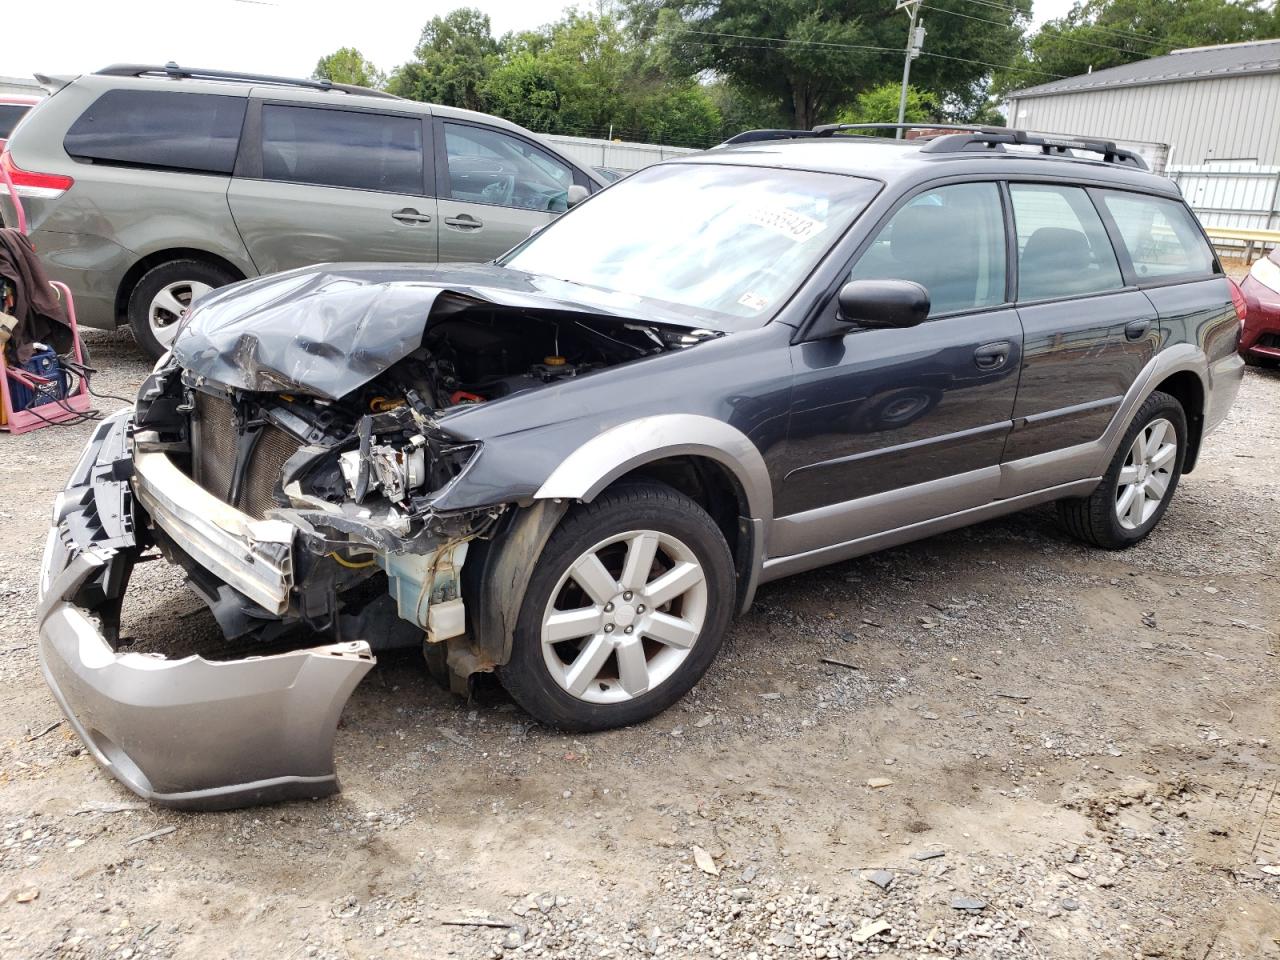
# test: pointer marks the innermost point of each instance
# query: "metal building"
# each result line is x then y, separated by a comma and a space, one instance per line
1209, 104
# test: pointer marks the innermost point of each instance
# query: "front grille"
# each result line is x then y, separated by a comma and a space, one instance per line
214, 449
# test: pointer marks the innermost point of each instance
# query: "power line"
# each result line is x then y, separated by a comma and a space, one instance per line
816, 43
1000, 23
854, 46
1127, 34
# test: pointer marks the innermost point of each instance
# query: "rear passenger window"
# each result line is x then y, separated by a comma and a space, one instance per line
1063, 248
198, 132
1159, 235
951, 241
342, 148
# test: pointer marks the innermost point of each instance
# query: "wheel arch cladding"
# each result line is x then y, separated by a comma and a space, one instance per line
1187, 388
136, 272
699, 456
631, 446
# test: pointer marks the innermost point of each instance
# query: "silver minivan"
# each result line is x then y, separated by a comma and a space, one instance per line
147, 186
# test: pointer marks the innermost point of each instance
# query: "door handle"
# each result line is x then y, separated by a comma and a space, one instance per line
1137, 329
410, 215
464, 221
992, 356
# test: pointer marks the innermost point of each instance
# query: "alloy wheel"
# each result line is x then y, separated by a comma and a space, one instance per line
1146, 474
169, 304
624, 616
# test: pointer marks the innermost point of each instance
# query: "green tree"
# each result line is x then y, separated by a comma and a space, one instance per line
452, 61
348, 65
880, 105
740, 110
589, 73
813, 57
1096, 34
525, 90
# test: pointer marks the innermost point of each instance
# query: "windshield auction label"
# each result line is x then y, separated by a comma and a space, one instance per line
796, 226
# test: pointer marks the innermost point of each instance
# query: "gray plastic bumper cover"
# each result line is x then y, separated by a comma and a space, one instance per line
189, 733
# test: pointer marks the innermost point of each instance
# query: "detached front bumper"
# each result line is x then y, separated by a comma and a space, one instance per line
189, 733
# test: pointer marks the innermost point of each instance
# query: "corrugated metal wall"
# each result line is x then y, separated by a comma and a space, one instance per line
1234, 118
1232, 195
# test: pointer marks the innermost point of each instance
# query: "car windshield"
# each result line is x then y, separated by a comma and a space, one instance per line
729, 243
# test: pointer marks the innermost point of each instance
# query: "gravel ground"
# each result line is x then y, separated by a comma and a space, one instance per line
1027, 749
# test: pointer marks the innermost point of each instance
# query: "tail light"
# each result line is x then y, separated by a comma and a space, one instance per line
41, 186
1239, 301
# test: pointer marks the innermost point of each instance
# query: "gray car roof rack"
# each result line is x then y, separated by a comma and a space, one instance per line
961, 138
175, 72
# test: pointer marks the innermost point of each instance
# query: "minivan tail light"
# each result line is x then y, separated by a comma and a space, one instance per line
41, 186
1238, 299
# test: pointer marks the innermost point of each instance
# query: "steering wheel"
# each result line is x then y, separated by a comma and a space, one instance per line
500, 191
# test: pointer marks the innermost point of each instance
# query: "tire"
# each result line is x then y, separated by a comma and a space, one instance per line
181, 279
554, 682
1102, 518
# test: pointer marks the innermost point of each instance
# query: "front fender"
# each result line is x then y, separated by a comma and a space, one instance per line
617, 451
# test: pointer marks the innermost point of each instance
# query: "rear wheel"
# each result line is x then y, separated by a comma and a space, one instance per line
164, 293
1140, 482
624, 613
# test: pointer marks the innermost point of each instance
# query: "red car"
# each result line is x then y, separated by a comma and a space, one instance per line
1260, 338
12, 109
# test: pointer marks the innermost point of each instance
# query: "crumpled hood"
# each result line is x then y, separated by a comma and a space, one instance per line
328, 329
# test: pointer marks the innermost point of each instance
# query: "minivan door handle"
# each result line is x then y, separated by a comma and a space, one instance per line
464, 221
410, 215
992, 356
1137, 329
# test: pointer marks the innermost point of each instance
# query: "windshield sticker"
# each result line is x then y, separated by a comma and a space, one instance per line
753, 301
787, 222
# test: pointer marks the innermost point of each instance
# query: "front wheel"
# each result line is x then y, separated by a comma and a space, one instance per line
1139, 484
624, 613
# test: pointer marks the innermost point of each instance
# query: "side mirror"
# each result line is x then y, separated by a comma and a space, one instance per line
576, 194
883, 303
873, 303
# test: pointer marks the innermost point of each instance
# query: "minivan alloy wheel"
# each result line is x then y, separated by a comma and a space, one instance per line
1146, 474
624, 616
168, 305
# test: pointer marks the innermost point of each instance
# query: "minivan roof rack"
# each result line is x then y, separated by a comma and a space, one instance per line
961, 138
175, 72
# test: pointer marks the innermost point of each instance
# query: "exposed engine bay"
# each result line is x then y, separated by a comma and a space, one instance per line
358, 476
312, 455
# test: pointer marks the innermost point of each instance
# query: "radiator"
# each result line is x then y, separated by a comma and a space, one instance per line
214, 444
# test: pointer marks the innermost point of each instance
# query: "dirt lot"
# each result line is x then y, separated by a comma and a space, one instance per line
1088, 742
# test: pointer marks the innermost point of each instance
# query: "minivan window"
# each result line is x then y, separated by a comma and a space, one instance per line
1063, 248
486, 166
951, 241
198, 132
10, 114
342, 148
1159, 235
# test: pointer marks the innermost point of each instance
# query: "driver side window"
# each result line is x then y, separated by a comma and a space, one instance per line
487, 166
950, 240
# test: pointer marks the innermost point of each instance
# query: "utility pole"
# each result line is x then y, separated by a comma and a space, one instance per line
915, 40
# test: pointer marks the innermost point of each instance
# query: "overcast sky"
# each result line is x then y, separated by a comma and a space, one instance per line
283, 37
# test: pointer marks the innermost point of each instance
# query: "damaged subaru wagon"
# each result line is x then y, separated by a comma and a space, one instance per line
573, 466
